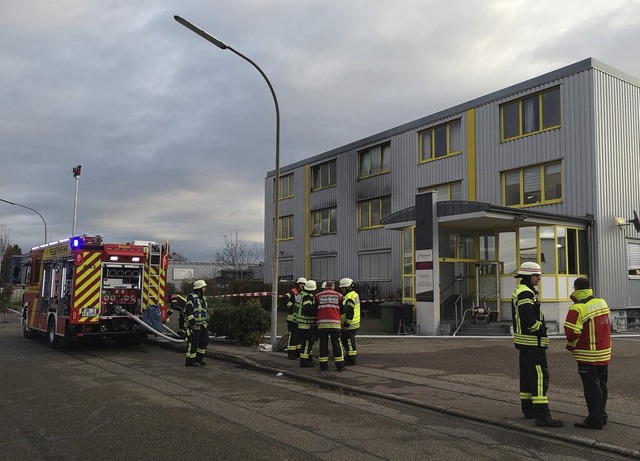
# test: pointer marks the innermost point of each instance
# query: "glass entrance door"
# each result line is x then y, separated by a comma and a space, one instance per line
487, 291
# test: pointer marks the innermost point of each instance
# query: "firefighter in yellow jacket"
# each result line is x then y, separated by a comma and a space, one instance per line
531, 340
196, 317
350, 319
306, 319
291, 299
588, 333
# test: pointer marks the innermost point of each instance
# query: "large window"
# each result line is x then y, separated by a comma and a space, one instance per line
447, 191
372, 211
440, 141
323, 175
286, 186
408, 284
375, 160
531, 114
323, 221
533, 185
285, 227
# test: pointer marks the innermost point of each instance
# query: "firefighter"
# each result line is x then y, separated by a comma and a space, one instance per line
291, 299
306, 319
588, 335
178, 303
350, 319
329, 310
196, 317
530, 338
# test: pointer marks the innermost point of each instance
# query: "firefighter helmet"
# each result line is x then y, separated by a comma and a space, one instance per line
301, 280
529, 268
199, 284
345, 282
324, 285
310, 285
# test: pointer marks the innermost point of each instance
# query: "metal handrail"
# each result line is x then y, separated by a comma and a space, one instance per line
462, 321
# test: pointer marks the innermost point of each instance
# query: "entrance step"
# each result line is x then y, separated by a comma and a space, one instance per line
481, 329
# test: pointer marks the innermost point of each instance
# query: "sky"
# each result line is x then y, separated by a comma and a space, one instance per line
176, 136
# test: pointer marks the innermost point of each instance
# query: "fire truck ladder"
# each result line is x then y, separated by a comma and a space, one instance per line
155, 274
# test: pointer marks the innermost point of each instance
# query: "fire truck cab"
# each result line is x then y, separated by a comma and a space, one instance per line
82, 287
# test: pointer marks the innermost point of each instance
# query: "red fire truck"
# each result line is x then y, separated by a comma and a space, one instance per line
82, 287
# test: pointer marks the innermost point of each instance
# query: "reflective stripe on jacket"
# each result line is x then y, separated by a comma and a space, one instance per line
291, 298
197, 309
588, 329
306, 313
529, 329
329, 310
351, 313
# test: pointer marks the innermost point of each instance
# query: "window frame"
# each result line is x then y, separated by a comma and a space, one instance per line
433, 141
529, 114
288, 220
286, 192
370, 204
383, 157
317, 175
444, 187
532, 175
317, 219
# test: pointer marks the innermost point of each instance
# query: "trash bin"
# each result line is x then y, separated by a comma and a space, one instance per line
391, 313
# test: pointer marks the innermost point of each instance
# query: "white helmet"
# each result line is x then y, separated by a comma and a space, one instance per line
301, 280
324, 285
310, 285
345, 282
529, 268
199, 284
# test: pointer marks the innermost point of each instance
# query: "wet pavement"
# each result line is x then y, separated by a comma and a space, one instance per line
474, 378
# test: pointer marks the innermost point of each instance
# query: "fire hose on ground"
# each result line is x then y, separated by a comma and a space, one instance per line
175, 339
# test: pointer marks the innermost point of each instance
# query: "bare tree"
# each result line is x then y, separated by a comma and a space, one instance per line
238, 256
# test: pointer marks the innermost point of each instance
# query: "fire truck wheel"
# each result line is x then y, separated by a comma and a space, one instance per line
52, 339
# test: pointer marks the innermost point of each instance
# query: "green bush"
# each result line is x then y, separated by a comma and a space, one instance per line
244, 324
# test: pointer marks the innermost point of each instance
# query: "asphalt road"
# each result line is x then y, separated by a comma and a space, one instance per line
106, 402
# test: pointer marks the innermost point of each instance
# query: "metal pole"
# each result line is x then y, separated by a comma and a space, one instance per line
276, 187
29, 208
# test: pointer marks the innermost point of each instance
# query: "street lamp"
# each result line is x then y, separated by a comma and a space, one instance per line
276, 188
29, 208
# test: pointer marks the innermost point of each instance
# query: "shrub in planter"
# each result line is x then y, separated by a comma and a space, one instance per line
244, 324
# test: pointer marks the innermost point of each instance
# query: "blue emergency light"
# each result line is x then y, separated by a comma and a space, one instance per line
76, 242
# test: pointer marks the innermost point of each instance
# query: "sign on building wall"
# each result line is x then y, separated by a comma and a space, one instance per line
424, 271
182, 273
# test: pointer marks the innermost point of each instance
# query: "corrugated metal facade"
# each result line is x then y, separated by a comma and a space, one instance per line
597, 145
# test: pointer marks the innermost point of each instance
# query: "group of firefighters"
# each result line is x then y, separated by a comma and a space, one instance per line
331, 315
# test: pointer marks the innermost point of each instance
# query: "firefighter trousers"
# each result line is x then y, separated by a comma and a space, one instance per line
594, 382
534, 382
197, 341
326, 335
307, 337
293, 344
349, 344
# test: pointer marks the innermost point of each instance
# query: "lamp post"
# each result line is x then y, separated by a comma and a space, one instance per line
29, 208
276, 187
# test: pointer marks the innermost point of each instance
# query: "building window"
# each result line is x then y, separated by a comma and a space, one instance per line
531, 114
323, 268
323, 221
371, 211
446, 191
285, 227
533, 185
408, 280
286, 186
440, 141
375, 160
323, 175
633, 258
